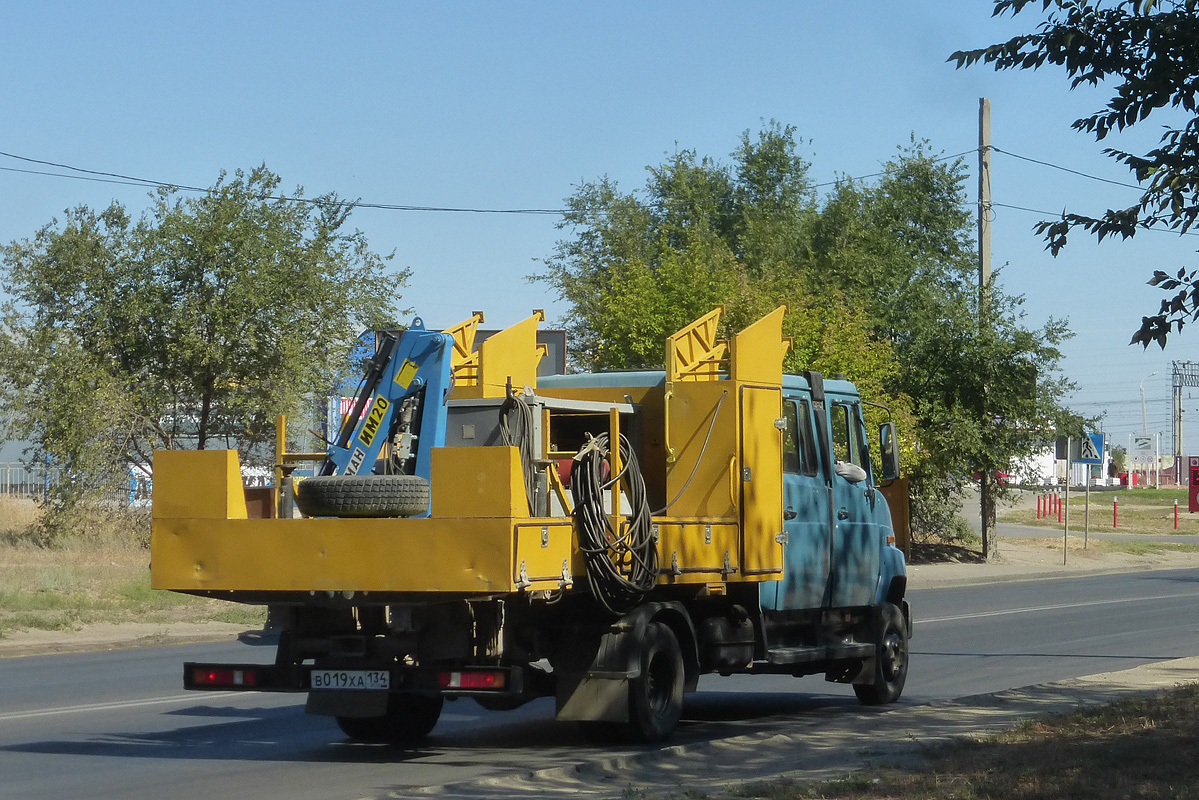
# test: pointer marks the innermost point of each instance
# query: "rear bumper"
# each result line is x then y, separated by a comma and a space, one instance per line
202, 676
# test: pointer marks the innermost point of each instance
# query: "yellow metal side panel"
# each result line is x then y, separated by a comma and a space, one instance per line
333, 555
465, 361
757, 352
477, 482
694, 353
201, 484
512, 353
543, 554
761, 480
713, 491
698, 551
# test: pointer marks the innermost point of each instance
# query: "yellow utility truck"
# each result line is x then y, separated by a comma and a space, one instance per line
603, 539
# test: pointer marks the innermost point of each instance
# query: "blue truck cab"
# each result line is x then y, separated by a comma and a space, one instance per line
840, 543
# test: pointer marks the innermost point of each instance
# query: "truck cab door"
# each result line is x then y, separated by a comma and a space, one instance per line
855, 550
805, 514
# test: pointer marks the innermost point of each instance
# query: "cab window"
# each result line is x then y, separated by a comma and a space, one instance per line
807, 440
790, 439
847, 439
799, 445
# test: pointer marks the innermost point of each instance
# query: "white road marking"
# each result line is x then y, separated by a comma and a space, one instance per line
154, 701
1059, 607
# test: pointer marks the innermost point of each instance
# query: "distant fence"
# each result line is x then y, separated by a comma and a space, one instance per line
18, 480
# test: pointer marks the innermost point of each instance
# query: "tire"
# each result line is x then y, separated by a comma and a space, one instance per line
890, 661
409, 719
656, 694
363, 496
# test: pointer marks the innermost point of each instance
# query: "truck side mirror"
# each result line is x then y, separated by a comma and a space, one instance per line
889, 450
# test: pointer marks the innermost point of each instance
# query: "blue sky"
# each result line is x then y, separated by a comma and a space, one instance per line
509, 105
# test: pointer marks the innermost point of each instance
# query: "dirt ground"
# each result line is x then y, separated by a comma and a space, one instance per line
115, 636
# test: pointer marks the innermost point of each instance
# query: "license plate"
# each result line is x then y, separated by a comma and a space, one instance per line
368, 679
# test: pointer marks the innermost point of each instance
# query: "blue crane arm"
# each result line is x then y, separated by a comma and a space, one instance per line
417, 365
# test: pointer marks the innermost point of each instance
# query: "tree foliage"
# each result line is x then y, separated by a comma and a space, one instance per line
1148, 51
191, 327
879, 280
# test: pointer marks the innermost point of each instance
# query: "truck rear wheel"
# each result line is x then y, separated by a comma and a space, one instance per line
363, 496
656, 695
890, 661
409, 718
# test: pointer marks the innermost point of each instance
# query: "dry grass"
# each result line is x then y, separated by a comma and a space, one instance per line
83, 581
1138, 511
1140, 748
17, 515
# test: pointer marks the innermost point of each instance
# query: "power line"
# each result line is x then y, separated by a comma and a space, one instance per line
1059, 213
100, 176
1067, 169
103, 176
850, 178
75, 177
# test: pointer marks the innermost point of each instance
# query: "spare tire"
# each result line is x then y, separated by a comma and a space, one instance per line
363, 496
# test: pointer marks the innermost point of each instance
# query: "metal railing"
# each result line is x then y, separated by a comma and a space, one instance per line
18, 480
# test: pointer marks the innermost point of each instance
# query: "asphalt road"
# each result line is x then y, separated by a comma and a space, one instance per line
117, 724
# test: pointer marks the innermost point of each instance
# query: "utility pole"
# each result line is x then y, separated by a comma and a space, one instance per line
986, 506
1144, 424
984, 207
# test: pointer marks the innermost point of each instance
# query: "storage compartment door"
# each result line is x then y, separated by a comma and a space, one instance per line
761, 478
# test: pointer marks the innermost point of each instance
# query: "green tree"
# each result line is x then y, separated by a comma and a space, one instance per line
879, 279
191, 327
1148, 50
985, 391
638, 267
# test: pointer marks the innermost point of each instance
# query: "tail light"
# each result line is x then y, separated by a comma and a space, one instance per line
473, 679
225, 677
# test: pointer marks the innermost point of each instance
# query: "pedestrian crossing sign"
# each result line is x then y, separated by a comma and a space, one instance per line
1090, 450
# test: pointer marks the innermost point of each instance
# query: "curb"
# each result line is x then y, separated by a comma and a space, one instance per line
918, 582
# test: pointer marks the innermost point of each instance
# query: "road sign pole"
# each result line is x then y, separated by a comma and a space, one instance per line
1086, 514
1066, 527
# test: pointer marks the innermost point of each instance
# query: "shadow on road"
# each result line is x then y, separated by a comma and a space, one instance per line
467, 735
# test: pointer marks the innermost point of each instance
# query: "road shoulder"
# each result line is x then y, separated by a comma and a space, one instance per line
818, 746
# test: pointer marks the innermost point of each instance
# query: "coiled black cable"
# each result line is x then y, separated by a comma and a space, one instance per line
516, 429
621, 567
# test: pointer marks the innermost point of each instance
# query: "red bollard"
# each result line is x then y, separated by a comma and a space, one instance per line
1175, 515
1059, 508
1039, 498
1115, 511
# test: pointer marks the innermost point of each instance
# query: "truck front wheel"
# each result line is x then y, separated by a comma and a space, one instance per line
656, 695
409, 718
890, 660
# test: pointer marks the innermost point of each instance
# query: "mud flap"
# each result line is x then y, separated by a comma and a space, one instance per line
593, 681
595, 665
594, 699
